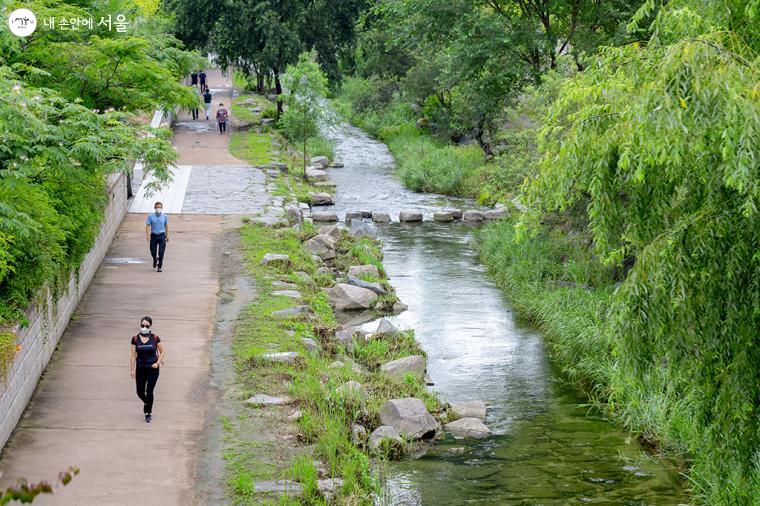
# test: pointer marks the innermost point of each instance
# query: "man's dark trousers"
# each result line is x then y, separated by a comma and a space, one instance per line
157, 242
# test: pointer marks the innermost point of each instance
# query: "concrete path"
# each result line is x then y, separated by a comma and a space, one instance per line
85, 412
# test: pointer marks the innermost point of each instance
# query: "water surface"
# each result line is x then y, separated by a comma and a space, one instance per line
547, 447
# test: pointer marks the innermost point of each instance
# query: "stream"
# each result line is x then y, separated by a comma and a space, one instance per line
547, 447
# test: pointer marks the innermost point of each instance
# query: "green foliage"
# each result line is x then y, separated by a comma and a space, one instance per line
66, 122
661, 142
26, 492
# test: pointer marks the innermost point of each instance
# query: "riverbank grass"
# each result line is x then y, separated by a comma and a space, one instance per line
317, 444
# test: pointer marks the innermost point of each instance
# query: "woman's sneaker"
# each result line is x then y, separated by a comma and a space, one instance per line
148, 418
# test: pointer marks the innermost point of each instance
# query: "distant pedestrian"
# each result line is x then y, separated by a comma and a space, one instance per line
146, 356
194, 109
202, 77
157, 232
194, 78
221, 118
207, 102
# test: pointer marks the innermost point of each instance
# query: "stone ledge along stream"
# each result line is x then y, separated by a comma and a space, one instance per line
546, 446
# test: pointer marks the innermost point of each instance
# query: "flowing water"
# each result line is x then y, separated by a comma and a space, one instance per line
547, 447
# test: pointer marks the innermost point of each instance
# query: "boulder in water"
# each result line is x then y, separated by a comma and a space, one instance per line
469, 409
471, 215
345, 297
409, 417
443, 216
413, 364
468, 427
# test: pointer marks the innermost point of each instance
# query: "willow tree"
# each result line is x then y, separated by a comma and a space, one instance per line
661, 140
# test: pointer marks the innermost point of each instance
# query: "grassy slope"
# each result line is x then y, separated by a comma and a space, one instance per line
325, 427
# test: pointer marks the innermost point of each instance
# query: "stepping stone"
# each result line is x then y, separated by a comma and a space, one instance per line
468, 427
284, 285
275, 259
381, 217
278, 487
443, 217
473, 216
408, 216
495, 214
287, 293
324, 216
267, 400
291, 313
283, 357
469, 409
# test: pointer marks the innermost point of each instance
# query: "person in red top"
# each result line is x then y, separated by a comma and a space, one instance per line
221, 118
145, 358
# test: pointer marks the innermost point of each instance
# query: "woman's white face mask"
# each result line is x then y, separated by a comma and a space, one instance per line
144, 330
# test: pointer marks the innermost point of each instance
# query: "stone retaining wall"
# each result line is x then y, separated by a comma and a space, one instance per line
48, 318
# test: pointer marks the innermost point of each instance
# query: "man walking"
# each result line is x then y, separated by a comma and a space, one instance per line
207, 102
221, 118
157, 233
202, 77
194, 78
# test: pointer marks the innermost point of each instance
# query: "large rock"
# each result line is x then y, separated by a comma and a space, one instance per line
345, 297
275, 259
324, 216
363, 270
384, 433
358, 434
409, 417
321, 245
334, 231
469, 409
381, 217
351, 391
413, 364
375, 287
293, 214
360, 229
330, 488
407, 216
321, 199
316, 175
319, 160
472, 216
386, 328
311, 345
468, 427
456, 213
443, 216
345, 338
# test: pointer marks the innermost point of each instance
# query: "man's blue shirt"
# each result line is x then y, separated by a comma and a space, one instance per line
157, 223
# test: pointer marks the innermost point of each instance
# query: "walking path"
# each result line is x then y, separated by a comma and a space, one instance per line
84, 411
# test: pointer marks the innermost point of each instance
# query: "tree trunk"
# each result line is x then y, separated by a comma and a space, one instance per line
481, 136
278, 91
259, 83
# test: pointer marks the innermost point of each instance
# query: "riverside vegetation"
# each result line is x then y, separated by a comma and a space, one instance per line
633, 174
70, 114
320, 423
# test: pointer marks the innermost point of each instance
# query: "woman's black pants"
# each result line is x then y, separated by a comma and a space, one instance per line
146, 379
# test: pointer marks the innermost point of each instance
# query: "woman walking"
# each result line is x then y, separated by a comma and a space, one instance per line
146, 356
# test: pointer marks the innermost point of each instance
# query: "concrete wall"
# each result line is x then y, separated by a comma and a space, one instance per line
48, 318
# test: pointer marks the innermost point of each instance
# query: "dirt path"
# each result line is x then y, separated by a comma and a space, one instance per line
84, 411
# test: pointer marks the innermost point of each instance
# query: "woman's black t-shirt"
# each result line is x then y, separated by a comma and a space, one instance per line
147, 352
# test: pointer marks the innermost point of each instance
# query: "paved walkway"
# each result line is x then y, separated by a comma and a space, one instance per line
84, 411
